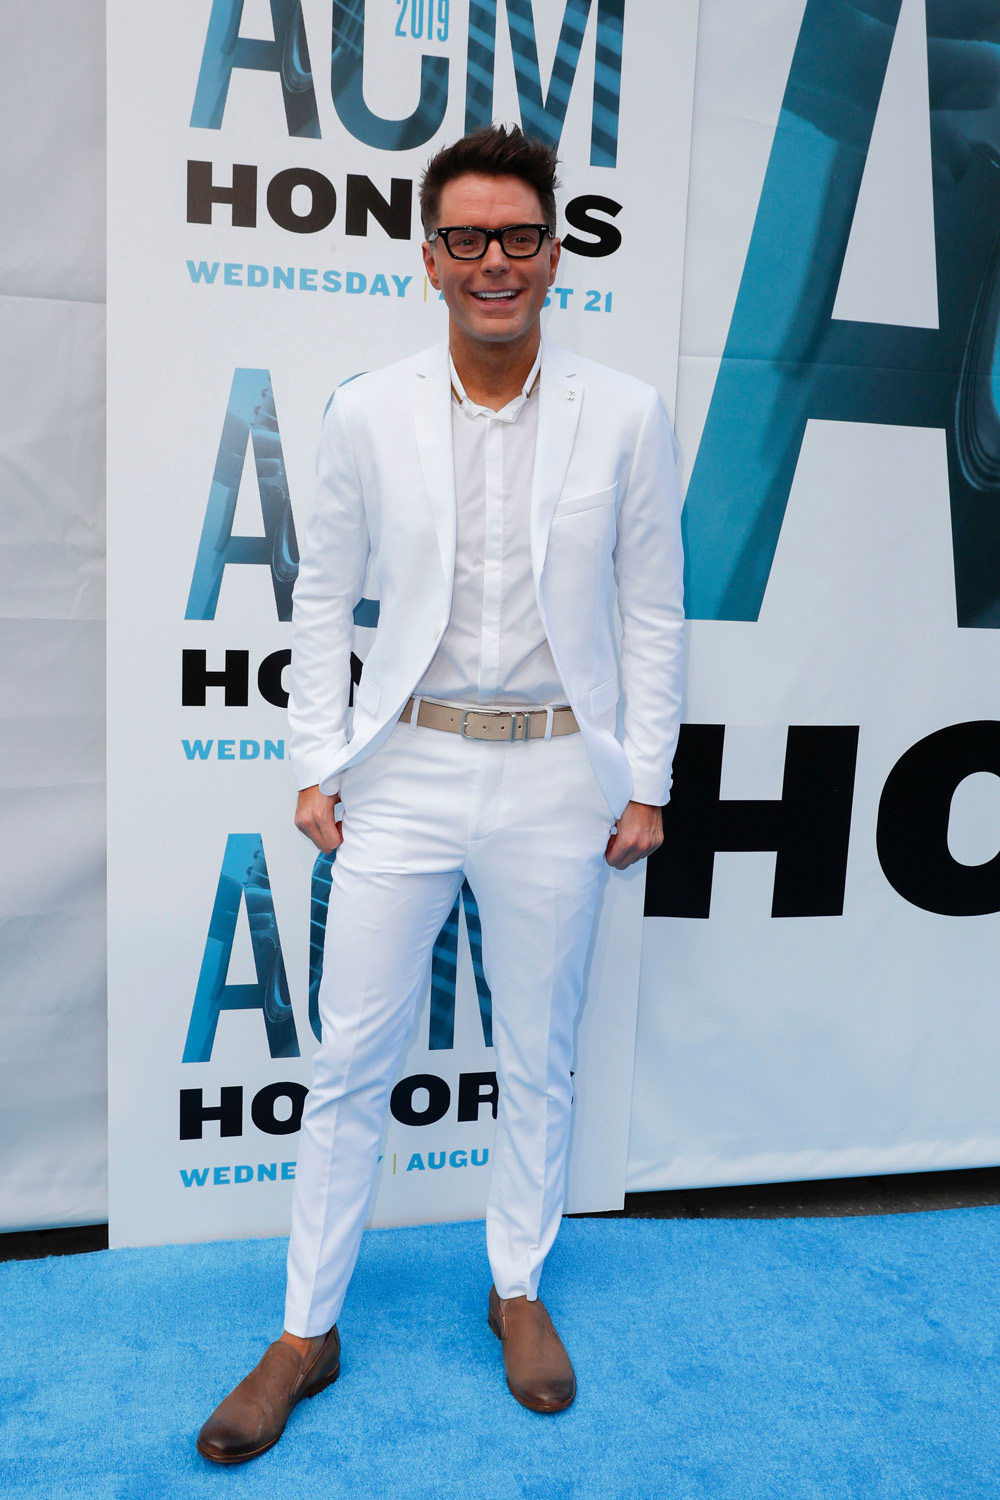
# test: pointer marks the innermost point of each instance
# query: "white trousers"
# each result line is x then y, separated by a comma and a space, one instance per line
528, 825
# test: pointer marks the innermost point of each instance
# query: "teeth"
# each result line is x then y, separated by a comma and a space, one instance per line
494, 296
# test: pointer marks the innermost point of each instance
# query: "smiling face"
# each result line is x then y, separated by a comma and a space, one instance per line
495, 300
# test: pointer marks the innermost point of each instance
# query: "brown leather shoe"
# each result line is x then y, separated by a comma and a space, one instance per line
252, 1417
539, 1373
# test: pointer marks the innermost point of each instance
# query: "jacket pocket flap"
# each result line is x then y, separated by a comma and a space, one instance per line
572, 504
604, 697
367, 695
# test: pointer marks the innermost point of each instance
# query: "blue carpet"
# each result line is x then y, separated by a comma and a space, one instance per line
842, 1359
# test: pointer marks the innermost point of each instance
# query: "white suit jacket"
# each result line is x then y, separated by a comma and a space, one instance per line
605, 552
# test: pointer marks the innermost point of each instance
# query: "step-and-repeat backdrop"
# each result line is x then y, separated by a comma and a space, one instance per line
805, 263
265, 246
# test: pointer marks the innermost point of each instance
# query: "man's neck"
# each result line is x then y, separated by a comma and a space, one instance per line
493, 374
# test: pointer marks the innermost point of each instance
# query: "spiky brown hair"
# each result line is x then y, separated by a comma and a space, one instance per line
496, 151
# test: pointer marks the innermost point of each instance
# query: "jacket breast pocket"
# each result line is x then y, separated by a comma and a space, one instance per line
574, 505
367, 695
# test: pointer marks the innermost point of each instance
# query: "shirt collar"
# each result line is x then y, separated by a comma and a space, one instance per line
506, 413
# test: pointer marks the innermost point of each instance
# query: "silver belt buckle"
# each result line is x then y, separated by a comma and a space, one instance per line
497, 713
484, 713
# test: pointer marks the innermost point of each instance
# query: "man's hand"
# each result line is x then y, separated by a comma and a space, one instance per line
640, 833
314, 817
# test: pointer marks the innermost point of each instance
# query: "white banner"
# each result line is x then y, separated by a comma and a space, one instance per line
818, 987
264, 246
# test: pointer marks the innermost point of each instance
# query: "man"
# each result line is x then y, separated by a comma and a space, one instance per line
517, 509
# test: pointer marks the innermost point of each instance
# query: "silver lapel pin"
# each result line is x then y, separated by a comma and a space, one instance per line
571, 395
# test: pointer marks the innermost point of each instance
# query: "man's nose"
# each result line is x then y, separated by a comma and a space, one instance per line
494, 259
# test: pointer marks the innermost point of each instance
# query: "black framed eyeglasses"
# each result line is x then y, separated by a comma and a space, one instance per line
468, 242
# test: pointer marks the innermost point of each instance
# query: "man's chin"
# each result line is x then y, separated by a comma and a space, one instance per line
500, 330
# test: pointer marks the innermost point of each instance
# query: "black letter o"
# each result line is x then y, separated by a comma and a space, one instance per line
913, 814
401, 1102
262, 1108
279, 200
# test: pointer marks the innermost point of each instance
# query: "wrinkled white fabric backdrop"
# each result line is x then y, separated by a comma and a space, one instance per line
53, 1134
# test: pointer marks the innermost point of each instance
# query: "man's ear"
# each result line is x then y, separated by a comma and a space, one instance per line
429, 265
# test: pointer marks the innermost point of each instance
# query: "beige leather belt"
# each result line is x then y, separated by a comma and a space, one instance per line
491, 724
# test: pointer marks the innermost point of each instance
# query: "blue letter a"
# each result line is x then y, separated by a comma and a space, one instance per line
444, 961
787, 358
243, 877
251, 417
444, 975
287, 55
322, 877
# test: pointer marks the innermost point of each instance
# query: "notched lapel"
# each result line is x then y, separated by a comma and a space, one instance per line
431, 405
560, 395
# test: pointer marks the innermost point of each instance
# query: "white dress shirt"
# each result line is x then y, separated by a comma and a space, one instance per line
494, 649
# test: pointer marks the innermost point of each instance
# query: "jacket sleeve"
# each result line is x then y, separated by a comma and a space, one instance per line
649, 569
330, 583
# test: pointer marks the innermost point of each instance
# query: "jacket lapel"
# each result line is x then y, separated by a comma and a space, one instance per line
560, 396
432, 399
